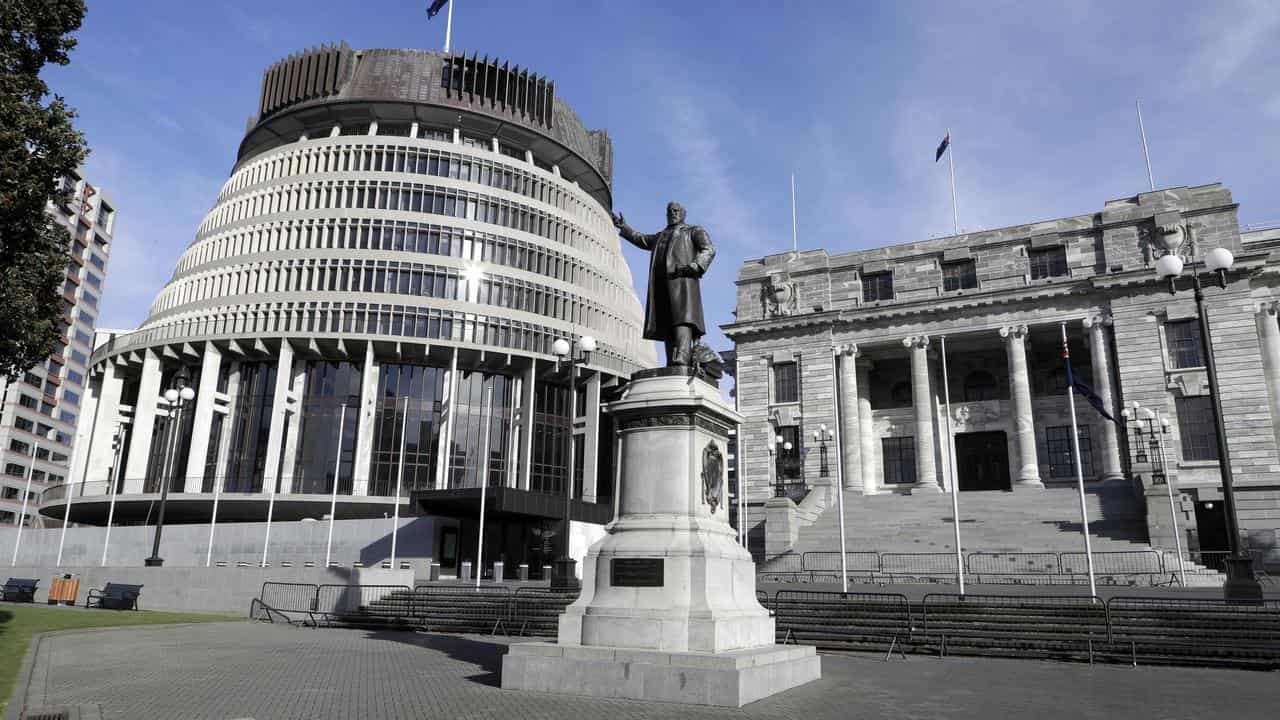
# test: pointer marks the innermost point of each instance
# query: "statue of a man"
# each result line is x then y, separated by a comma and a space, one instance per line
679, 256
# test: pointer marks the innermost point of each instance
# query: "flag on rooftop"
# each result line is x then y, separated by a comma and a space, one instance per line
942, 147
435, 7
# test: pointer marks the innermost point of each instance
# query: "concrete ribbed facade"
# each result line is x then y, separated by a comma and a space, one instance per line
394, 253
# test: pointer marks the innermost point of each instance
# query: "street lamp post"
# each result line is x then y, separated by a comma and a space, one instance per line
1152, 427
564, 575
1241, 584
176, 396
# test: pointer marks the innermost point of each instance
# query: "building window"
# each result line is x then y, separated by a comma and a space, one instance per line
899, 460
877, 286
15, 470
1048, 262
19, 447
1062, 458
789, 469
786, 382
104, 215
961, 275
979, 385
1195, 427
1183, 339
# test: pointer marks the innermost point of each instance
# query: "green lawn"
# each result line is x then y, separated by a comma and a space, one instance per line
20, 622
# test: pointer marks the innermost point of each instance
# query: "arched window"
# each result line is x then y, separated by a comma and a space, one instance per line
979, 385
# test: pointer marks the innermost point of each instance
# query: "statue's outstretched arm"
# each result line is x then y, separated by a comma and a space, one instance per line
640, 240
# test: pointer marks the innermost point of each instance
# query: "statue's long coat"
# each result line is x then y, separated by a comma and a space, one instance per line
674, 300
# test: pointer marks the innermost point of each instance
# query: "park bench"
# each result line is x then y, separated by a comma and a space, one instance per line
20, 590
114, 596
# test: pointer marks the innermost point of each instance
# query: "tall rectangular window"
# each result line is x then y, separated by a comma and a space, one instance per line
899, 460
1183, 339
790, 469
1062, 457
962, 275
1048, 262
1195, 427
877, 286
786, 382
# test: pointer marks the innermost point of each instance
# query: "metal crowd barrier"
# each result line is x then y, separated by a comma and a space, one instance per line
1050, 625
1172, 629
459, 608
536, 611
841, 621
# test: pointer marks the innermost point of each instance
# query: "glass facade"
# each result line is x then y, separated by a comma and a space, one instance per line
250, 425
331, 399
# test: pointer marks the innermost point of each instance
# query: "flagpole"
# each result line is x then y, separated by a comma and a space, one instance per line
794, 242
1075, 450
1146, 153
835, 393
395, 518
333, 495
484, 481
448, 27
951, 161
951, 467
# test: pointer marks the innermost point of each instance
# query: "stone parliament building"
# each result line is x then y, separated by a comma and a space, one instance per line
868, 327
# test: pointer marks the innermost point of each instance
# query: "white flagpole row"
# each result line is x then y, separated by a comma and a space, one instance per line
119, 472
1075, 450
484, 480
17, 543
951, 467
333, 496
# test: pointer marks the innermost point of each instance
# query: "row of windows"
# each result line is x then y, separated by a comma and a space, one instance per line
382, 276
406, 237
20, 471
403, 197
41, 430
363, 318
42, 452
418, 161
963, 274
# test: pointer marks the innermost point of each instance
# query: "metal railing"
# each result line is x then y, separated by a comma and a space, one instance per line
1031, 568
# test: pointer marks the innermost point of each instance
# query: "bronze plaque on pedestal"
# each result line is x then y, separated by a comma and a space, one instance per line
635, 572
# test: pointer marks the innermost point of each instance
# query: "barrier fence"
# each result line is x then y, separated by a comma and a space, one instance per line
1032, 568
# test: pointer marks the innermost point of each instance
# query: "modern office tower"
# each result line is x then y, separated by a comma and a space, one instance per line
372, 302
40, 409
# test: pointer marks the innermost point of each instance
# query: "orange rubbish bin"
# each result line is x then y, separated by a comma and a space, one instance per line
64, 590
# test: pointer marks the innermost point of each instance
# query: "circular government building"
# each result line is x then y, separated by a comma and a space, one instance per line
375, 301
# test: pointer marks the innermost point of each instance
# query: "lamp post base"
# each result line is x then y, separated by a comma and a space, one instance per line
1241, 585
564, 575
153, 561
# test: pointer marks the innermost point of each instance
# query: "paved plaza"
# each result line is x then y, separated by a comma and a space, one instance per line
249, 670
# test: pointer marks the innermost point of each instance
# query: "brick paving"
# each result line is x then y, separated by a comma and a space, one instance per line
248, 670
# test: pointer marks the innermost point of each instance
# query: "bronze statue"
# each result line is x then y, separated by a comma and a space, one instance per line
680, 256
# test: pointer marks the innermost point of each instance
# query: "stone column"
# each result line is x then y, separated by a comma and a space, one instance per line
850, 440
1269, 338
1100, 354
293, 420
866, 429
202, 420
363, 464
144, 421
279, 417
444, 450
922, 403
1028, 474
96, 458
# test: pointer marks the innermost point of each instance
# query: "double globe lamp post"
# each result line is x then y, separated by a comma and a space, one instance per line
564, 575
176, 396
1241, 585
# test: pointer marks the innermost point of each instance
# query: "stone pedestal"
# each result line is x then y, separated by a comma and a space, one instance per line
668, 610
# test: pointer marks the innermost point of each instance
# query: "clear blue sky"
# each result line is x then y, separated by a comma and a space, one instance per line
717, 103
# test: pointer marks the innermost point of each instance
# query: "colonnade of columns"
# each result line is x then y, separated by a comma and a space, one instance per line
283, 437
860, 445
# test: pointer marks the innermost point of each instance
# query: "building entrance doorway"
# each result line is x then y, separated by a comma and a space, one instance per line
1211, 526
982, 461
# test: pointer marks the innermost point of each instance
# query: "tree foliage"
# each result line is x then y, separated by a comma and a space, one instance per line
38, 145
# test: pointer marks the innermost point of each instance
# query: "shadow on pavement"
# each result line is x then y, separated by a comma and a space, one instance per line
486, 655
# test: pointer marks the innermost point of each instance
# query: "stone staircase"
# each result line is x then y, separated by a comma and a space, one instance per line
1029, 521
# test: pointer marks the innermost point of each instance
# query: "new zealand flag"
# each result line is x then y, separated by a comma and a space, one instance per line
942, 147
1083, 388
436, 7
